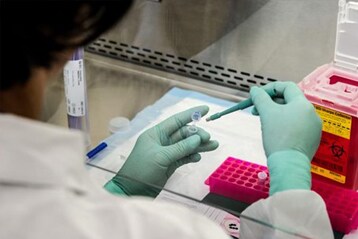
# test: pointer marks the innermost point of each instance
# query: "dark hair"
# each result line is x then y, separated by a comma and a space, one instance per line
32, 32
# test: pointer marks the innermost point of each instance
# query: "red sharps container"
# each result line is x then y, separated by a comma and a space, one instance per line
333, 89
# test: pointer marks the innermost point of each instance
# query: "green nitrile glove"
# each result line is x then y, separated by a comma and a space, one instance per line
291, 132
110, 186
159, 151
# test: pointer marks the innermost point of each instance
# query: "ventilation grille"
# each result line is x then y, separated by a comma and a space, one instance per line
232, 78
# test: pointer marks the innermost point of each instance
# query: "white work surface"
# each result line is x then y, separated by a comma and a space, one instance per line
239, 135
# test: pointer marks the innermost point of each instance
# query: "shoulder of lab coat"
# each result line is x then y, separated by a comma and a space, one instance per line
297, 211
45, 192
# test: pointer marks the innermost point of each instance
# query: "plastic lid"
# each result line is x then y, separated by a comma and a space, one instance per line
196, 116
346, 53
262, 176
118, 124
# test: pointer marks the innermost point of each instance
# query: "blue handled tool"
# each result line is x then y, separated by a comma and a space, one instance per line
96, 150
240, 106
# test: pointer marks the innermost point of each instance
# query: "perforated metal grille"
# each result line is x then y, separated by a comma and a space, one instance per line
208, 72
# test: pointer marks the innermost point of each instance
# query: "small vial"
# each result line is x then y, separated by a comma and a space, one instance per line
195, 117
262, 176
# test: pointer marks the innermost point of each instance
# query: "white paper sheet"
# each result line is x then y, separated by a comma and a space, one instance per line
239, 135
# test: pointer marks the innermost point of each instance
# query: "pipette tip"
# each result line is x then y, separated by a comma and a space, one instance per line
208, 119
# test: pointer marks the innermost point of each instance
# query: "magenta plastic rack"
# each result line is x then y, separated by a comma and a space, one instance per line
238, 179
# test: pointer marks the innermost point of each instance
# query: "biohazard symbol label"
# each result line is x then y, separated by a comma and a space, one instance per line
331, 158
337, 151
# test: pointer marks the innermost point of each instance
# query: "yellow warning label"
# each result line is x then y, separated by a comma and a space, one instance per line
335, 122
328, 174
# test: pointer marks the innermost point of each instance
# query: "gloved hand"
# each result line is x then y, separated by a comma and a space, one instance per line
291, 132
158, 152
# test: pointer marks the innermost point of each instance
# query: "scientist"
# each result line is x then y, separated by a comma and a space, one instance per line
45, 191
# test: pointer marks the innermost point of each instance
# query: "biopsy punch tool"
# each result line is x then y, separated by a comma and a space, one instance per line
239, 106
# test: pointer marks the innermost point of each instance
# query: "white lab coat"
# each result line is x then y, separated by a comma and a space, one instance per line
296, 211
45, 192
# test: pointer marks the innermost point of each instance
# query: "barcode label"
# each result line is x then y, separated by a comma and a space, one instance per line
75, 88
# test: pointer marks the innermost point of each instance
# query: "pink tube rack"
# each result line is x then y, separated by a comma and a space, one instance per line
238, 179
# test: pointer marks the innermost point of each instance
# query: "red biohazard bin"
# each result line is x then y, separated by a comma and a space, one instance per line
333, 90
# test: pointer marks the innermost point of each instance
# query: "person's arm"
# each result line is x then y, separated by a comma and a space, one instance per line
295, 214
291, 132
158, 152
